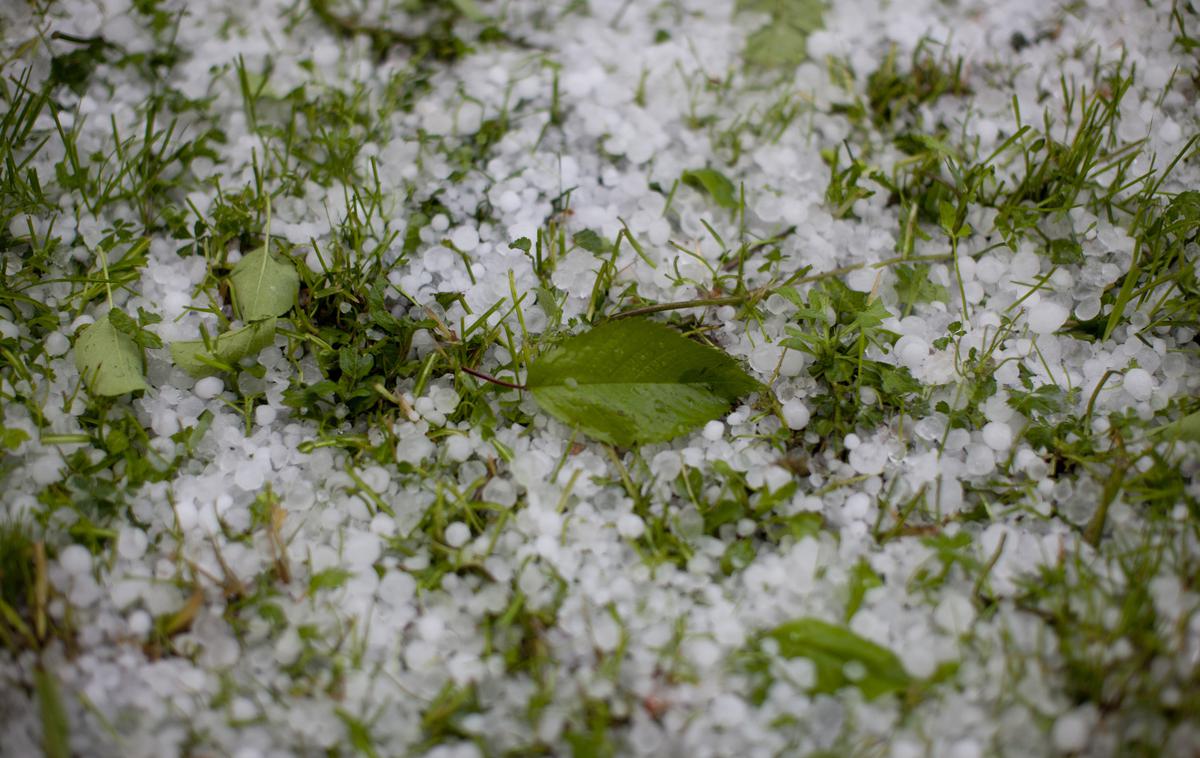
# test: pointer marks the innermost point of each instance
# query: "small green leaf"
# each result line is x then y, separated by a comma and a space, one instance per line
379, 312
109, 360
195, 357
635, 381
592, 242
354, 363
328, 579
714, 183
724, 512
1184, 211
737, 556
75, 68
805, 524
1065, 252
862, 578
134, 329
870, 316
548, 300
831, 648
913, 285
11, 439
948, 216
264, 285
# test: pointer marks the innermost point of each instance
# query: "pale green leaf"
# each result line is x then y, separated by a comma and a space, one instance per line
635, 381
783, 40
109, 360
264, 285
831, 648
194, 357
1186, 428
713, 183
470, 10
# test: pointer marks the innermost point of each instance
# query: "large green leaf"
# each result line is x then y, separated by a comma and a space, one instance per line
264, 285
831, 648
196, 358
108, 359
635, 381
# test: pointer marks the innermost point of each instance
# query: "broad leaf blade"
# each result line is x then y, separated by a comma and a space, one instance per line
264, 285
109, 360
831, 648
194, 357
634, 381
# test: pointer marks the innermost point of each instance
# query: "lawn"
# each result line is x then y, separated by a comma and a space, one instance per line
599, 377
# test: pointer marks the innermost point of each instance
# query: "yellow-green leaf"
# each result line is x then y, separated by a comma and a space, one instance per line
264, 285
109, 360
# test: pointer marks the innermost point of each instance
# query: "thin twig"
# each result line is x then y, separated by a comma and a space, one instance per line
700, 303
765, 290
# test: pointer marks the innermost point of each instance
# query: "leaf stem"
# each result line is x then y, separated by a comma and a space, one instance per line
104, 269
491, 379
1091, 404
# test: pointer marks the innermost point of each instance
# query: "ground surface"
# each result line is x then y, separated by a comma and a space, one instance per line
956, 241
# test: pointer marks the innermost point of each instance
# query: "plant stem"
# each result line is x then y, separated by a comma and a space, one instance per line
107, 281
492, 379
1091, 405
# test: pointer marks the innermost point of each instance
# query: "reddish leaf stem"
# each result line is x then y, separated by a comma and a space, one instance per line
492, 379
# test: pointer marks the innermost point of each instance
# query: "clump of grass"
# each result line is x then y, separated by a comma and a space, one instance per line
838, 326
894, 92
16, 566
1113, 648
